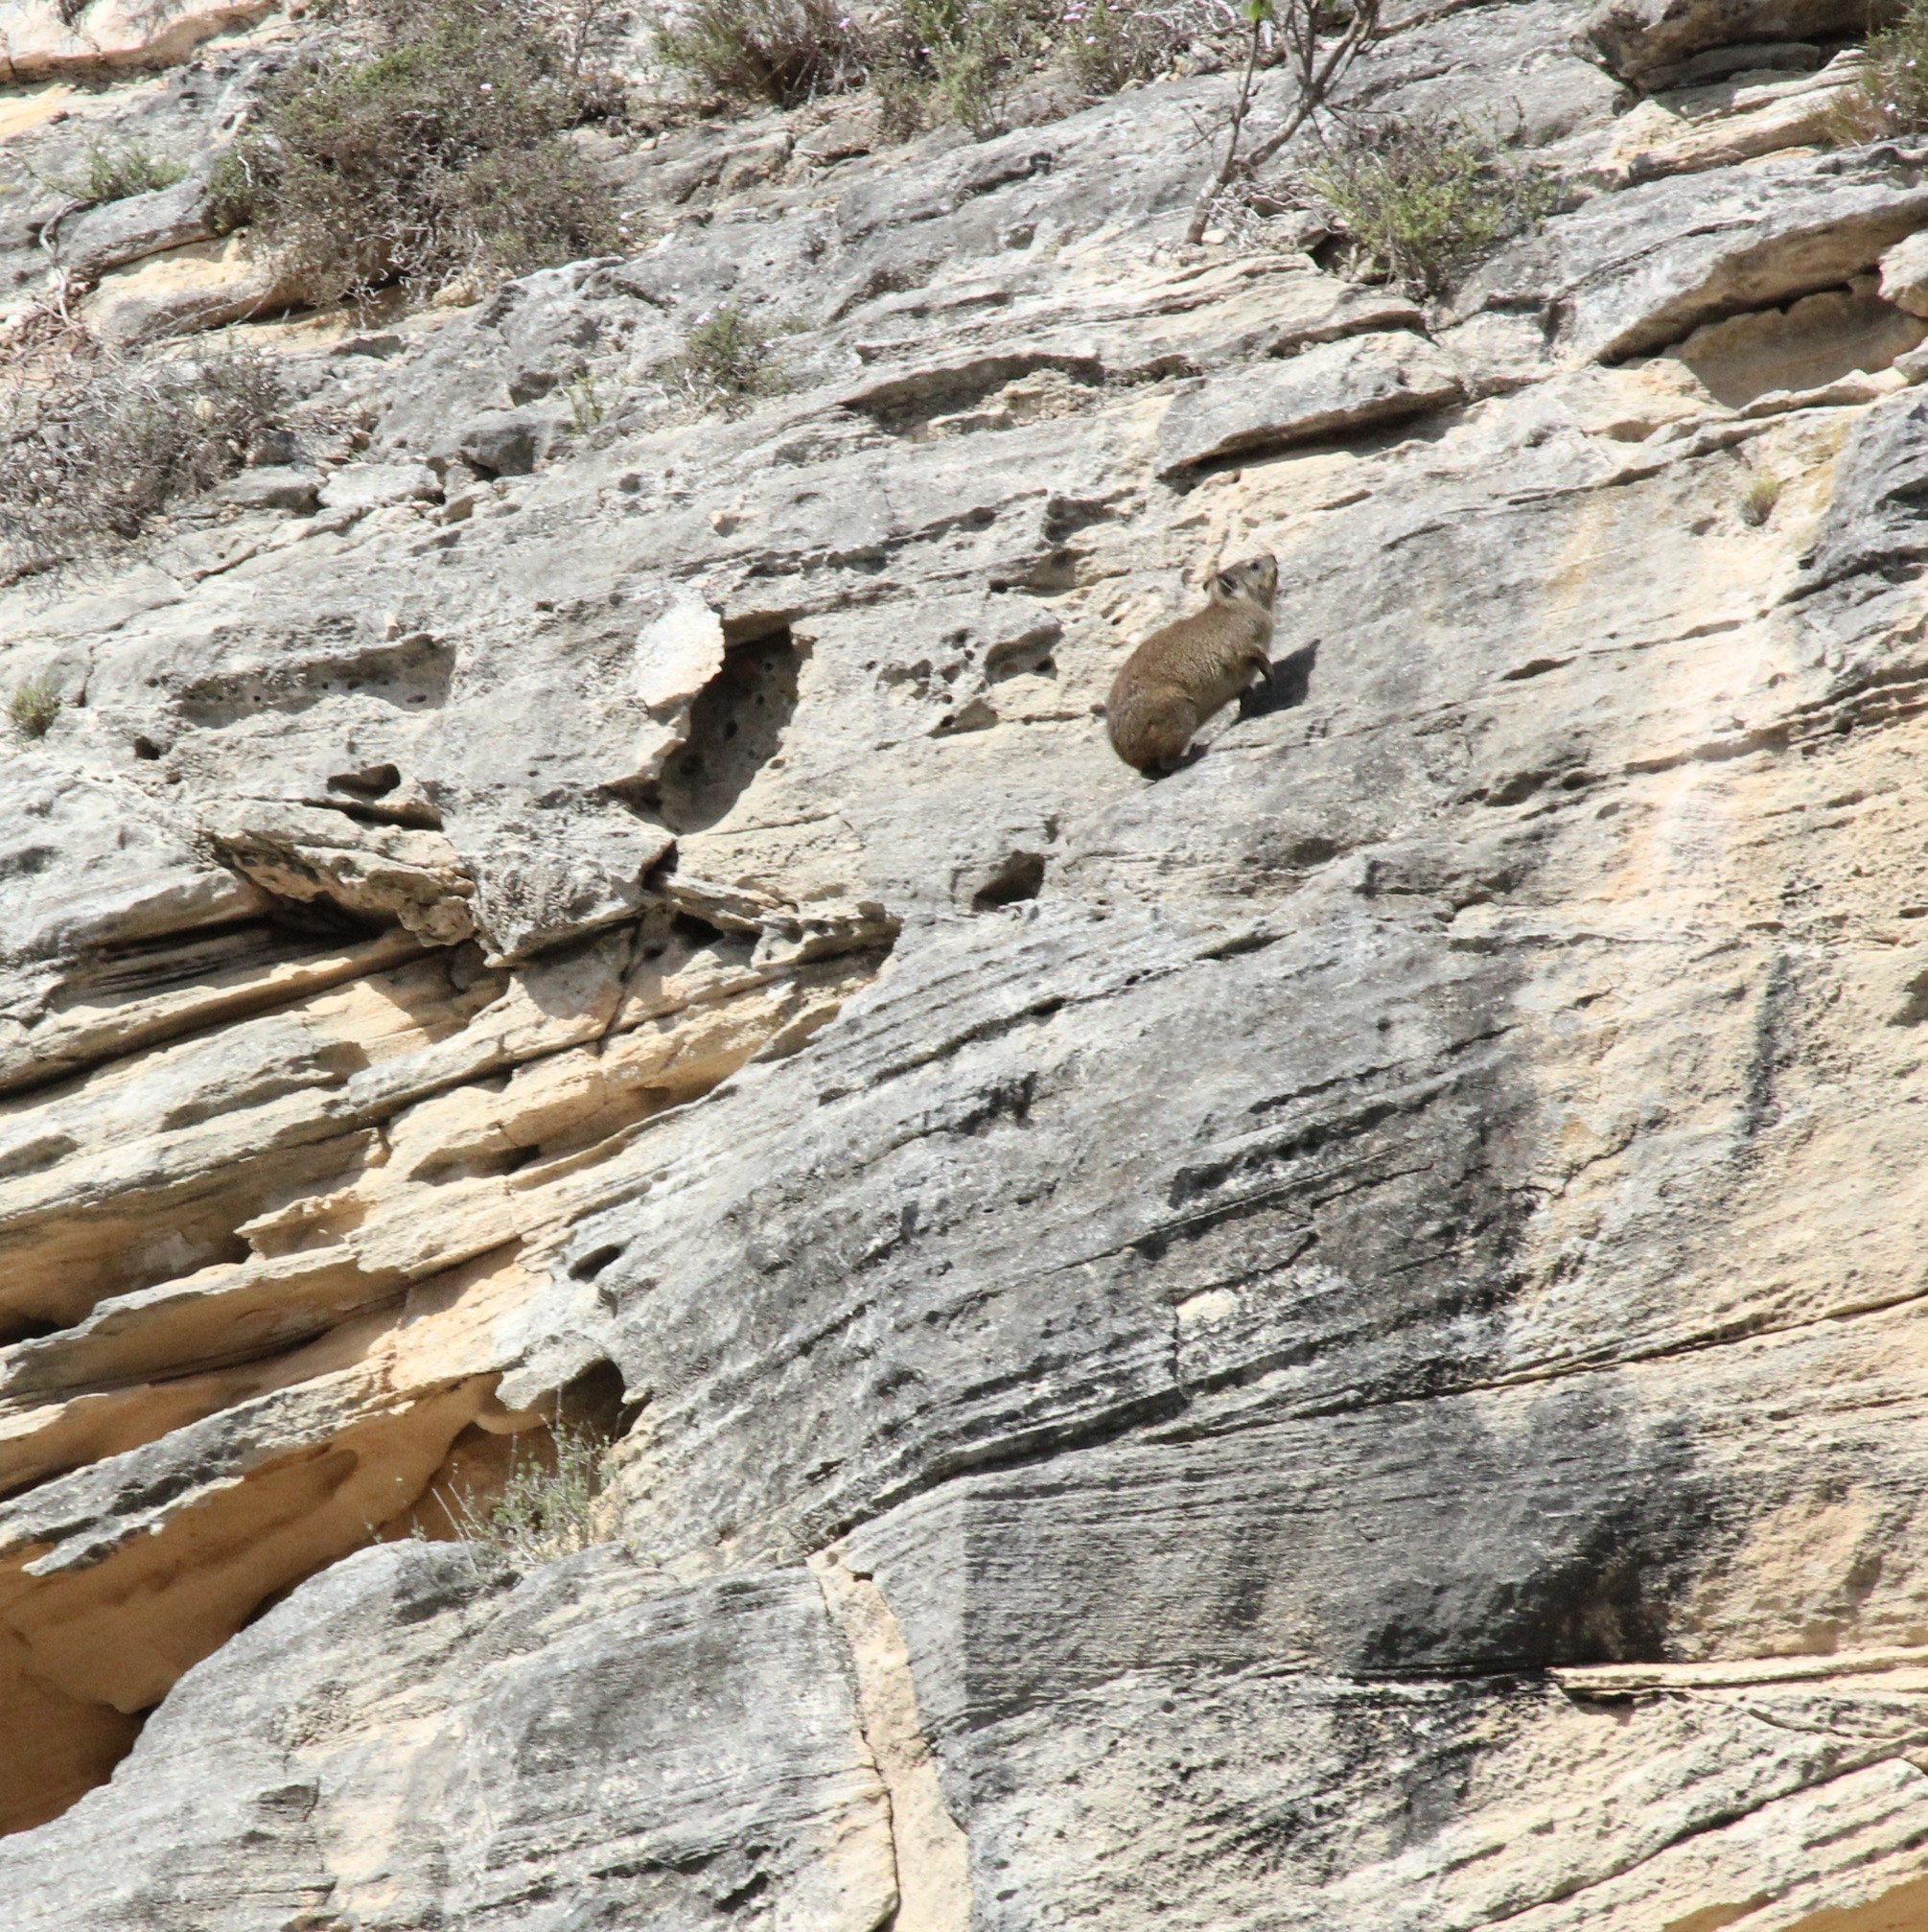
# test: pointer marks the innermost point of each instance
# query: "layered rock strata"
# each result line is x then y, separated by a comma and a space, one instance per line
1333, 1341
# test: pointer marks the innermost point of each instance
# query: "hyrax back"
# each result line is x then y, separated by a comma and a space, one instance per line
1180, 675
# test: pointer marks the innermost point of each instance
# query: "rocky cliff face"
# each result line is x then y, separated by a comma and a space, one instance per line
1334, 1340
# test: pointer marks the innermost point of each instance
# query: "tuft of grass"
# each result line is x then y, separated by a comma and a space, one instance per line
1757, 500
424, 145
1423, 199
1889, 94
93, 446
725, 362
586, 406
33, 708
546, 1508
114, 174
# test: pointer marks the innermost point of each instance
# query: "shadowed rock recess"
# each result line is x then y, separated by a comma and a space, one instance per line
1334, 1343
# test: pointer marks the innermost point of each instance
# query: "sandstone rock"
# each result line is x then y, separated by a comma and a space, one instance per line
1320, 392
179, 291
727, 1744
1719, 126
115, 233
1807, 345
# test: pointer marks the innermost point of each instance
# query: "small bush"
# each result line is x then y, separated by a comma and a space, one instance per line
544, 1511
726, 361
93, 446
1423, 199
1757, 503
966, 54
33, 708
1889, 94
113, 174
936, 60
424, 146
781, 51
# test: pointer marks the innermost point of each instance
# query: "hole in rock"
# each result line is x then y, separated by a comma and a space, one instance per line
736, 727
1027, 656
586, 1267
1018, 876
146, 748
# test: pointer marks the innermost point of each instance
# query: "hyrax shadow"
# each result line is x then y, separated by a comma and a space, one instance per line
1181, 674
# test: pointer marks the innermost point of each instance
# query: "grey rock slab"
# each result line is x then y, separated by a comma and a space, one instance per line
1877, 514
1631, 272
273, 486
115, 233
1640, 37
1322, 391
374, 486
419, 1738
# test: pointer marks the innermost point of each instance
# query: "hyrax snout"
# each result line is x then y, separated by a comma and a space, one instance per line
1180, 675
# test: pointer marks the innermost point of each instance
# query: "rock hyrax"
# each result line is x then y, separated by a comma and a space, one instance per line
1179, 675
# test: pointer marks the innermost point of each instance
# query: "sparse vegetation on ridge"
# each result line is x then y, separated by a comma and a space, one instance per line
1422, 199
939, 59
419, 144
94, 445
1889, 94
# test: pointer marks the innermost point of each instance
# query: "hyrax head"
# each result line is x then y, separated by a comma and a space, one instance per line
1255, 581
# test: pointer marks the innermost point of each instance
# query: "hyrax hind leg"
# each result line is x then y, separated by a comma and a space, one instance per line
1152, 730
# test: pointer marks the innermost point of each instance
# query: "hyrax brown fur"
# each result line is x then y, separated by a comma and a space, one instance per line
1180, 675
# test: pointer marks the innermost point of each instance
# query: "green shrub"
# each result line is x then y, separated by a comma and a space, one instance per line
113, 174
424, 145
547, 1507
94, 446
726, 361
33, 708
1889, 94
1423, 199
